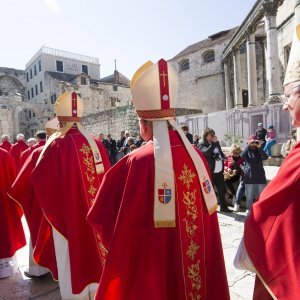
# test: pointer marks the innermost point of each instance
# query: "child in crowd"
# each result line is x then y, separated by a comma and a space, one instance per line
270, 141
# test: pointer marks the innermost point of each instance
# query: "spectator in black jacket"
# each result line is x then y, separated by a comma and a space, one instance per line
104, 141
112, 149
120, 144
189, 136
214, 155
254, 173
261, 133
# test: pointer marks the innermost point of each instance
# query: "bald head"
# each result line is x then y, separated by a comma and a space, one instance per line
20, 137
5, 137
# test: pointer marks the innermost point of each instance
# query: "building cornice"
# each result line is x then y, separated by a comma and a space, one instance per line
250, 22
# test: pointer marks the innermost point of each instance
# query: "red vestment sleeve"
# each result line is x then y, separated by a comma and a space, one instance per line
272, 232
11, 231
101, 215
22, 192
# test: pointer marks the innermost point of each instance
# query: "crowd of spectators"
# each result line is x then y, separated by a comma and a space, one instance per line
124, 145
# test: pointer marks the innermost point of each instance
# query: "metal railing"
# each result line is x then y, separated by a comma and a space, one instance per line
61, 53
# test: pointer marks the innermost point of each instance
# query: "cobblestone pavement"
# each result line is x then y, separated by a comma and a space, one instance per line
240, 282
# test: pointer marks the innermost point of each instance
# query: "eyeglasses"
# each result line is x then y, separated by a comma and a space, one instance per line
287, 96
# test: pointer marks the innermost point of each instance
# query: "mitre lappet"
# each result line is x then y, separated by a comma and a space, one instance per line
154, 94
292, 74
69, 110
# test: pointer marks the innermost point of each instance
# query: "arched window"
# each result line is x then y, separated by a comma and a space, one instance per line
209, 56
184, 65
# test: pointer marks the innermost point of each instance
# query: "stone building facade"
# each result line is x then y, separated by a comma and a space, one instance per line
200, 73
253, 64
14, 110
27, 97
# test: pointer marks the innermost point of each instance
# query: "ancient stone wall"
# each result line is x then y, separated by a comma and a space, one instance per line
115, 120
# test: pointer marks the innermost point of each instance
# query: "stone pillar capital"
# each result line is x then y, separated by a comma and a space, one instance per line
234, 50
250, 32
270, 8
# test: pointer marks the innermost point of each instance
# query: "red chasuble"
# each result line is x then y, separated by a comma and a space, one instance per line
25, 154
143, 262
22, 192
12, 237
16, 151
272, 234
6, 145
65, 183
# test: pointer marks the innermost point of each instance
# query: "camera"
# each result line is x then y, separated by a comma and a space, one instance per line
256, 142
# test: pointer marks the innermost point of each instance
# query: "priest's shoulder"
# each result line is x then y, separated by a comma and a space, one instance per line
142, 153
37, 151
4, 153
291, 162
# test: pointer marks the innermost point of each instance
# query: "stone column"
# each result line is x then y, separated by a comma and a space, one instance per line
238, 99
272, 55
227, 85
251, 69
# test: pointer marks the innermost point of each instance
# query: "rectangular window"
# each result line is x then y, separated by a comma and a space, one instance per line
28, 95
32, 93
40, 66
41, 86
59, 66
85, 69
29, 114
36, 90
35, 70
53, 98
30, 73
83, 80
113, 101
27, 76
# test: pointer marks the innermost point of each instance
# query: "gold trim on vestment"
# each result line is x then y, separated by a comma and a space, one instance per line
68, 119
156, 114
163, 224
189, 198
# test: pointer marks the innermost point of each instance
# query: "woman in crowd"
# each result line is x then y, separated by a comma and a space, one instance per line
233, 171
214, 155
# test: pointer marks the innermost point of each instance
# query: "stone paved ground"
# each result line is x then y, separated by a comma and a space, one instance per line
240, 282
231, 225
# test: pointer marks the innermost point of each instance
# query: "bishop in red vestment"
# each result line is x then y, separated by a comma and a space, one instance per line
65, 181
41, 140
158, 224
11, 231
272, 231
6, 145
17, 149
23, 193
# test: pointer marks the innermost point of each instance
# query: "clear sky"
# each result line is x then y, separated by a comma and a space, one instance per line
131, 31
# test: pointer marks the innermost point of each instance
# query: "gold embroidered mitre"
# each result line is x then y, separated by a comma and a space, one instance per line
293, 69
69, 107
